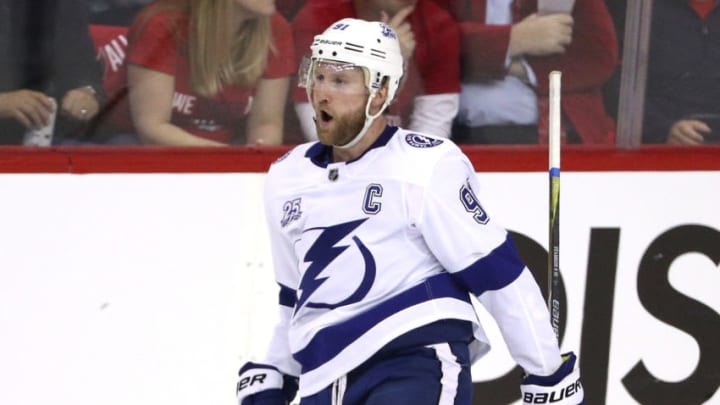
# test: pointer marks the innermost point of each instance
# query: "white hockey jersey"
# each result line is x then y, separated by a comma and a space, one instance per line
371, 249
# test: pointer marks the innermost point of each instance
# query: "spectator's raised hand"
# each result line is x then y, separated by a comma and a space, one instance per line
688, 132
403, 30
541, 35
31, 108
80, 104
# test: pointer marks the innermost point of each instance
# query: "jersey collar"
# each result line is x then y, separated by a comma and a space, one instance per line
321, 155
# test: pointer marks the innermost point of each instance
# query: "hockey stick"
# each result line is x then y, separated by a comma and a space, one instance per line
554, 224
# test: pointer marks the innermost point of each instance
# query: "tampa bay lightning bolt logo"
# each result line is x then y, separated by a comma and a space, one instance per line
421, 141
322, 253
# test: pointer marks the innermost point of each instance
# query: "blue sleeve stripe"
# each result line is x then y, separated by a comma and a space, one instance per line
494, 271
554, 172
287, 296
330, 341
565, 369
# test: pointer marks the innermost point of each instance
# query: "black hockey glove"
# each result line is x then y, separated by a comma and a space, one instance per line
561, 388
262, 384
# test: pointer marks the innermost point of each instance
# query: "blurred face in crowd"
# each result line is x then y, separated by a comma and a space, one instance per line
338, 96
255, 7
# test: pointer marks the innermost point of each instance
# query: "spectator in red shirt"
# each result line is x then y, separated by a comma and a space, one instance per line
428, 98
113, 123
507, 53
200, 70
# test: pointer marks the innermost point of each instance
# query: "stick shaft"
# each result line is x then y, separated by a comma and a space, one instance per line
554, 141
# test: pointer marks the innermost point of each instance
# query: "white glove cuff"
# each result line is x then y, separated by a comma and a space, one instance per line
568, 391
561, 388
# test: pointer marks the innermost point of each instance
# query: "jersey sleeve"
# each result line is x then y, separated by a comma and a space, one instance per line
281, 58
455, 225
480, 255
278, 353
287, 277
152, 44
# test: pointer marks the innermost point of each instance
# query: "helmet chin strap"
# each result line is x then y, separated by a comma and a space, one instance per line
369, 119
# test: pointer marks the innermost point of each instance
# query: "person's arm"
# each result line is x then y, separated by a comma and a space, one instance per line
688, 132
80, 103
484, 50
658, 119
273, 380
152, 61
265, 123
30, 108
591, 57
540, 35
480, 255
306, 117
403, 29
434, 113
151, 94
77, 68
438, 102
487, 48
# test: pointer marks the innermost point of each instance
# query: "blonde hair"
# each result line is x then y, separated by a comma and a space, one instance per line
220, 51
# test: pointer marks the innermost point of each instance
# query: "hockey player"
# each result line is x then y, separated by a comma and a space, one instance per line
378, 240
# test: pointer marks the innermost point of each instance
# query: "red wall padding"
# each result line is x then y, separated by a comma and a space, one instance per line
148, 159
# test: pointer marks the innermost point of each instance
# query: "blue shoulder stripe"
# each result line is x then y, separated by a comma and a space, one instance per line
494, 271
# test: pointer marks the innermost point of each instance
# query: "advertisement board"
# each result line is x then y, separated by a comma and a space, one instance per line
155, 287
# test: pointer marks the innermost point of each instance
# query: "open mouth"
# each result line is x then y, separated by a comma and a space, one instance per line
324, 117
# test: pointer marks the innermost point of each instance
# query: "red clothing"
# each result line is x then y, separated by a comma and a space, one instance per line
219, 117
111, 44
434, 68
586, 65
703, 8
288, 8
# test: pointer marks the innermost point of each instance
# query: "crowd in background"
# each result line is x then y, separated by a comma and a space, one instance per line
224, 72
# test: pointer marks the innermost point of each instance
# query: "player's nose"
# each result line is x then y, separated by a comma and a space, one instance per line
321, 94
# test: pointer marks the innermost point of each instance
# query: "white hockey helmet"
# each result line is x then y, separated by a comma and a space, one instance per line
371, 45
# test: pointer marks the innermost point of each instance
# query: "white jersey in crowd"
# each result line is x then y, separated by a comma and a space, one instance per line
369, 250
